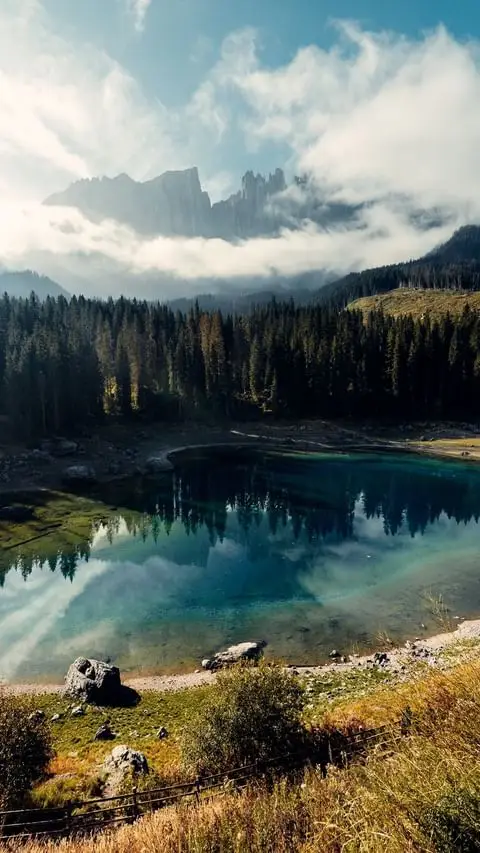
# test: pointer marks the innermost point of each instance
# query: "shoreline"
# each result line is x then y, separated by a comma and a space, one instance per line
394, 660
119, 452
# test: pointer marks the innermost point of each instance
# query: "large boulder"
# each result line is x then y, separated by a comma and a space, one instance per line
94, 682
158, 464
249, 651
123, 759
77, 475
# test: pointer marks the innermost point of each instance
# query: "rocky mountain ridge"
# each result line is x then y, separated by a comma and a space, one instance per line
175, 204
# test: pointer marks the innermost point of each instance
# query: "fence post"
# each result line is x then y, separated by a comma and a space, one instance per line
198, 786
68, 818
134, 803
406, 721
330, 754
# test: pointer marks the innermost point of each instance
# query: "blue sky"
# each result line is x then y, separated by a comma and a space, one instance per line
181, 39
378, 101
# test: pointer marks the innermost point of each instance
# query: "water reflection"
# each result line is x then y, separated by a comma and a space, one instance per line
315, 497
309, 553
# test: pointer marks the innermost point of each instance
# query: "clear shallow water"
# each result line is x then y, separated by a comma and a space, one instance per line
308, 553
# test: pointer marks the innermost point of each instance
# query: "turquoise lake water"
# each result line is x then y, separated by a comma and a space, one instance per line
308, 553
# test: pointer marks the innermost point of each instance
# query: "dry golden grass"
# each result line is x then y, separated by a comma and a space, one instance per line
382, 805
403, 301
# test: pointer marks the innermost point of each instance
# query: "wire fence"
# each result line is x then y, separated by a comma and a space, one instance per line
89, 816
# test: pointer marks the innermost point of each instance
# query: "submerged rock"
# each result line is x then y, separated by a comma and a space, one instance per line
16, 513
234, 654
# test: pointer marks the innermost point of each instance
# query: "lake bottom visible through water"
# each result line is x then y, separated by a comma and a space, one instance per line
308, 552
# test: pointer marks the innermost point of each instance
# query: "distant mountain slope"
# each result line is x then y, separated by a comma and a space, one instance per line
455, 265
240, 303
417, 303
463, 246
21, 284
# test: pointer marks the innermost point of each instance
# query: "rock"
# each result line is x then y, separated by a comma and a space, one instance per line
56, 718
234, 654
41, 456
162, 733
104, 733
126, 760
37, 716
158, 464
334, 654
93, 681
79, 475
16, 513
78, 711
381, 657
64, 447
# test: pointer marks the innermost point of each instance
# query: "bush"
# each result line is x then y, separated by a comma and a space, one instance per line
253, 714
25, 749
453, 823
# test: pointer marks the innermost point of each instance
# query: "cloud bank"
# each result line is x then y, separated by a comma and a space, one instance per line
377, 118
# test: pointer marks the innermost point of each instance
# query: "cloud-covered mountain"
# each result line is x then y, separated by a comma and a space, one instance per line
175, 204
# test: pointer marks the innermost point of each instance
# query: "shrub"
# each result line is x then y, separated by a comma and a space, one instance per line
25, 748
453, 823
253, 714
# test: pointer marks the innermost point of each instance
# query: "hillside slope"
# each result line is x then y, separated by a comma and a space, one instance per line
455, 265
21, 284
404, 300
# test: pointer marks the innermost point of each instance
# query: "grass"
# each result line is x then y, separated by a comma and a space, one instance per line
422, 794
418, 303
73, 737
437, 608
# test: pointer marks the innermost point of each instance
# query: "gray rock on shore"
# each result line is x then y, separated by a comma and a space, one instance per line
79, 475
93, 681
158, 464
249, 651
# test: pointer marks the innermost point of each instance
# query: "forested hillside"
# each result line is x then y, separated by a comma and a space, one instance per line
455, 265
64, 364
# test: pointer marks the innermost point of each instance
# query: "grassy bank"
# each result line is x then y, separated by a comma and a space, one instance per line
422, 794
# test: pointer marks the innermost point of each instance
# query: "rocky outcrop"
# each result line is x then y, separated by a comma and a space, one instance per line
173, 203
249, 651
158, 464
124, 760
94, 682
79, 475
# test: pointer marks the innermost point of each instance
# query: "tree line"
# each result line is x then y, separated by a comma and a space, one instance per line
66, 364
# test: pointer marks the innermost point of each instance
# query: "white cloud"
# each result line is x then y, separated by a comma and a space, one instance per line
70, 111
138, 9
28, 233
375, 115
376, 118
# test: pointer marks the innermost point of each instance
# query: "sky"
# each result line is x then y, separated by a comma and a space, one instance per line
378, 102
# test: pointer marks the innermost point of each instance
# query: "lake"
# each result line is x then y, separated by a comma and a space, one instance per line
308, 552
